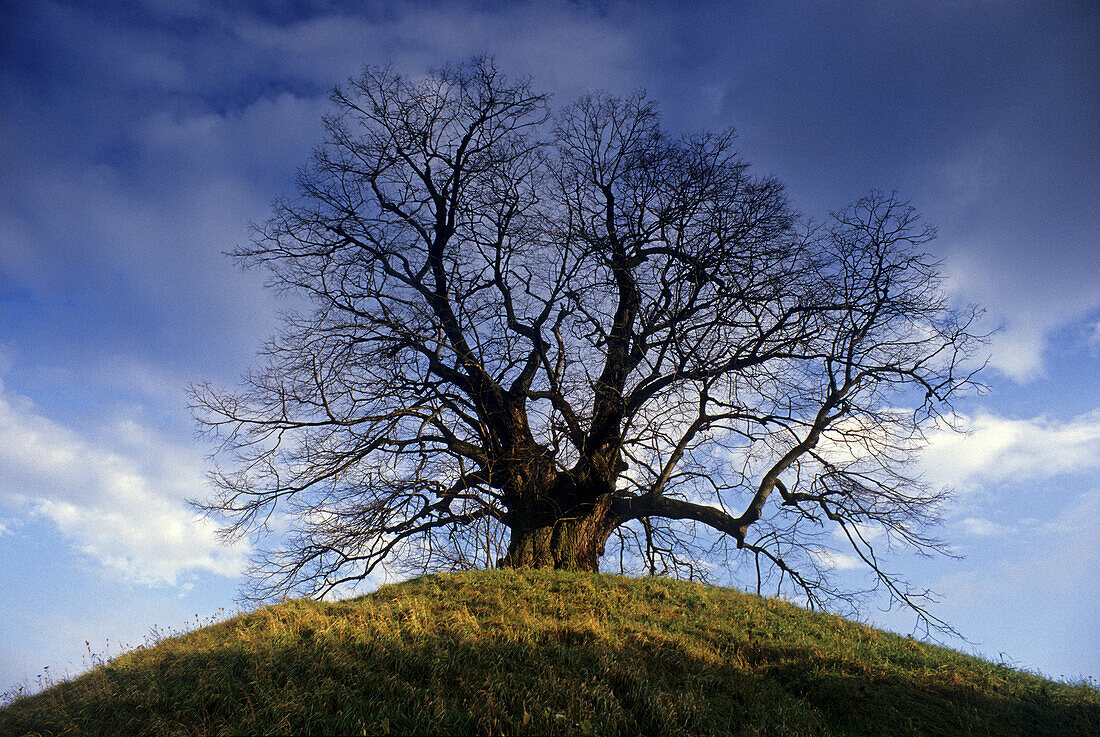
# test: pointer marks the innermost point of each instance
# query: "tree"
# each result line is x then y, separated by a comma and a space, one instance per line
532, 336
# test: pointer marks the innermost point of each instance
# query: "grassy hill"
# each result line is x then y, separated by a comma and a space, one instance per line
522, 652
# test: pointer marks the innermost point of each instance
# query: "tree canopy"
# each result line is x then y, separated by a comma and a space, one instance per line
550, 338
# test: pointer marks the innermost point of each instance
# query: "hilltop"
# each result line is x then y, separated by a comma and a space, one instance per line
548, 652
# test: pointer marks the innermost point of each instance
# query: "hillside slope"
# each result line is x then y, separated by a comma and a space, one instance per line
524, 652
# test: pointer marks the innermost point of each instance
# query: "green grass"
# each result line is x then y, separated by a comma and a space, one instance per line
525, 652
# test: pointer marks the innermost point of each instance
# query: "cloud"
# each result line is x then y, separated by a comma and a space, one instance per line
1024, 246
259, 143
861, 531
1026, 305
1093, 336
836, 561
985, 528
119, 498
1063, 553
570, 49
997, 449
145, 255
1047, 572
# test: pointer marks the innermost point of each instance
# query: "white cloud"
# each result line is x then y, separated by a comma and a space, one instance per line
985, 528
837, 561
119, 498
860, 530
1025, 304
996, 449
1017, 351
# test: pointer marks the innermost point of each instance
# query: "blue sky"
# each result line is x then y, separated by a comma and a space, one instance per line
141, 139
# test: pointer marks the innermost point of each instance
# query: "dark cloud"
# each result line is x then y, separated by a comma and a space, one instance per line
144, 136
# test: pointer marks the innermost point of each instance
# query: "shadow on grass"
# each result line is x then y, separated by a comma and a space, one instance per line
862, 703
573, 682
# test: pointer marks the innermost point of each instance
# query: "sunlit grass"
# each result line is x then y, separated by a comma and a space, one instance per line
522, 652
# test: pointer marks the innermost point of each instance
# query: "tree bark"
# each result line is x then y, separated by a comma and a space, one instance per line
572, 539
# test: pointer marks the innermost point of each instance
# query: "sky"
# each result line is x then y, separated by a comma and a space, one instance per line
140, 139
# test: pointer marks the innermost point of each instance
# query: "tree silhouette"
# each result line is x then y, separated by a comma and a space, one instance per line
533, 336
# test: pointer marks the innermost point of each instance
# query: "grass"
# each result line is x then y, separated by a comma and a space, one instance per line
549, 652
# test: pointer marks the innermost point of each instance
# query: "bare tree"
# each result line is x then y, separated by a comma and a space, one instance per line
531, 335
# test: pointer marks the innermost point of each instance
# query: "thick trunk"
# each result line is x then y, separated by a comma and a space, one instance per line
558, 519
573, 541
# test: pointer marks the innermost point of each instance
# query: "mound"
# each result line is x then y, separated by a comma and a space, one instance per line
539, 652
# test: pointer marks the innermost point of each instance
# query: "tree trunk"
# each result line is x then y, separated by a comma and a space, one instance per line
573, 541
